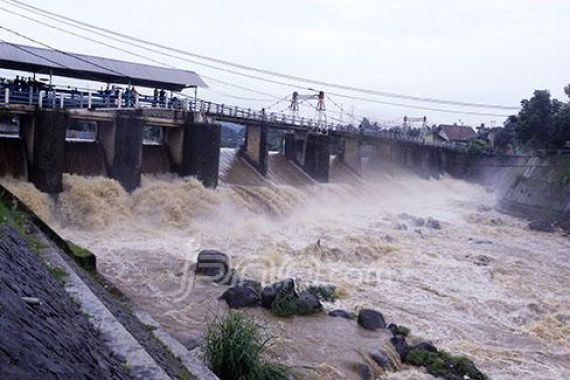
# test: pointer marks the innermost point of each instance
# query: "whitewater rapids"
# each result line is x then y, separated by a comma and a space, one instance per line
511, 316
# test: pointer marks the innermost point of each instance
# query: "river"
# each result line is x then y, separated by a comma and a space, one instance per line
482, 285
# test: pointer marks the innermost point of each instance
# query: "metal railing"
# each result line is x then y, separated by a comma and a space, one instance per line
57, 97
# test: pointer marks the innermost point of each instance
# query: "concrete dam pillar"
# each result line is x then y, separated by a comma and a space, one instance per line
254, 149
46, 136
122, 142
317, 157
350, 155
198, 152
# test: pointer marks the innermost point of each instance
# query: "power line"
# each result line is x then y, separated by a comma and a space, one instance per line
60, 51
229, 71
232, 71
129, 51
268, 72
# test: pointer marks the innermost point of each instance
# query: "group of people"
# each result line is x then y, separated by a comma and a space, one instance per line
112, 94
21, 85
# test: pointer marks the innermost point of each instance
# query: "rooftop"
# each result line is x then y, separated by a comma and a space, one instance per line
99, 69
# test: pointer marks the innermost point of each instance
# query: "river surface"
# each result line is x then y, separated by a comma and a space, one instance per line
482, 285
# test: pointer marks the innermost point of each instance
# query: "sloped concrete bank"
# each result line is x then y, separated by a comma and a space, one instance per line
88, 328
43, 333
536, 188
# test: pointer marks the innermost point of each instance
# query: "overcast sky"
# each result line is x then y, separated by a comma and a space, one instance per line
494, 52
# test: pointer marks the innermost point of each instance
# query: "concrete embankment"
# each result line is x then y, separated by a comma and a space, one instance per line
537, 188
43, 333
58, 321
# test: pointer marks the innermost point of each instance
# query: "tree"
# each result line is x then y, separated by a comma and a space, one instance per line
560, 134
506, 136
535, 119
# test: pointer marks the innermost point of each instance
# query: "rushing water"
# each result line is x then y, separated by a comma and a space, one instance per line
482, 285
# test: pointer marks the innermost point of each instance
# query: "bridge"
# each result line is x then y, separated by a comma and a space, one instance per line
42, 145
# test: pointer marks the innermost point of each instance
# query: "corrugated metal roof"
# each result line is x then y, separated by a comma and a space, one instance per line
40, 60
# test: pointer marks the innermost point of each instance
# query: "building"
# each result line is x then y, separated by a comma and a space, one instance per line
451, 133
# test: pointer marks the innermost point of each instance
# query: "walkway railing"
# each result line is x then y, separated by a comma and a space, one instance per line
67, 98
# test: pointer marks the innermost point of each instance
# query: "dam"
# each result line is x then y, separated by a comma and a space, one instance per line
396, 223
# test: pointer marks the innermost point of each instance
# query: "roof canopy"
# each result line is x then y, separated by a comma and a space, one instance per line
46, 61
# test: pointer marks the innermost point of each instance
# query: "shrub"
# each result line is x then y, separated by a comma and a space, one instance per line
443, 364
325, 293
285, 305
234, 347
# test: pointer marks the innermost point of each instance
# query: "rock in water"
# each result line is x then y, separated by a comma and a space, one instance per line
380, 359
308, 303
541, 226
433, 223
213, 263
401, 346
341, 314
371, 319
240, 296
269, 293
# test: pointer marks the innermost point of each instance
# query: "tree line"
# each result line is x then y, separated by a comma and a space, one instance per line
542, 123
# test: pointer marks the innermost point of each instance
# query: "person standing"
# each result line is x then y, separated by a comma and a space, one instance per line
162, 98
134, 97
155, 98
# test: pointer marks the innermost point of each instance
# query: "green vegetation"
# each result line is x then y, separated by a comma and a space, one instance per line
402, 330
83, 257
234, 347
59, 274
325, 293
443, 364
286, 305
18, 220
542, 123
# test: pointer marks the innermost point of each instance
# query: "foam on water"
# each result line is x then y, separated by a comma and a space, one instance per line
511, 316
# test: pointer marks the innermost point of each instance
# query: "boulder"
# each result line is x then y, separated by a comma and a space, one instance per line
252, 284
371, 319
342, 314
213, 263
401, 346
240, 296
419, 222
425, 346
398, 330
308, 303
541, 226
363, 371
400, 226
269, 293
433, 224
380, 359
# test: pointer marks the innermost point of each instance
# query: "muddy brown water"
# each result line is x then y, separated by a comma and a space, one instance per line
483, 285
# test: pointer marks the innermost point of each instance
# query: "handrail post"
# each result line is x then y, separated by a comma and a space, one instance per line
6, 95
120, 99
40, 99
61, 101
31, 95
89, 100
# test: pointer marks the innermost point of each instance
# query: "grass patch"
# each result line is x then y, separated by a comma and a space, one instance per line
18, 220
78, 250
443, 364
59, 274
325, 293
234, 348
